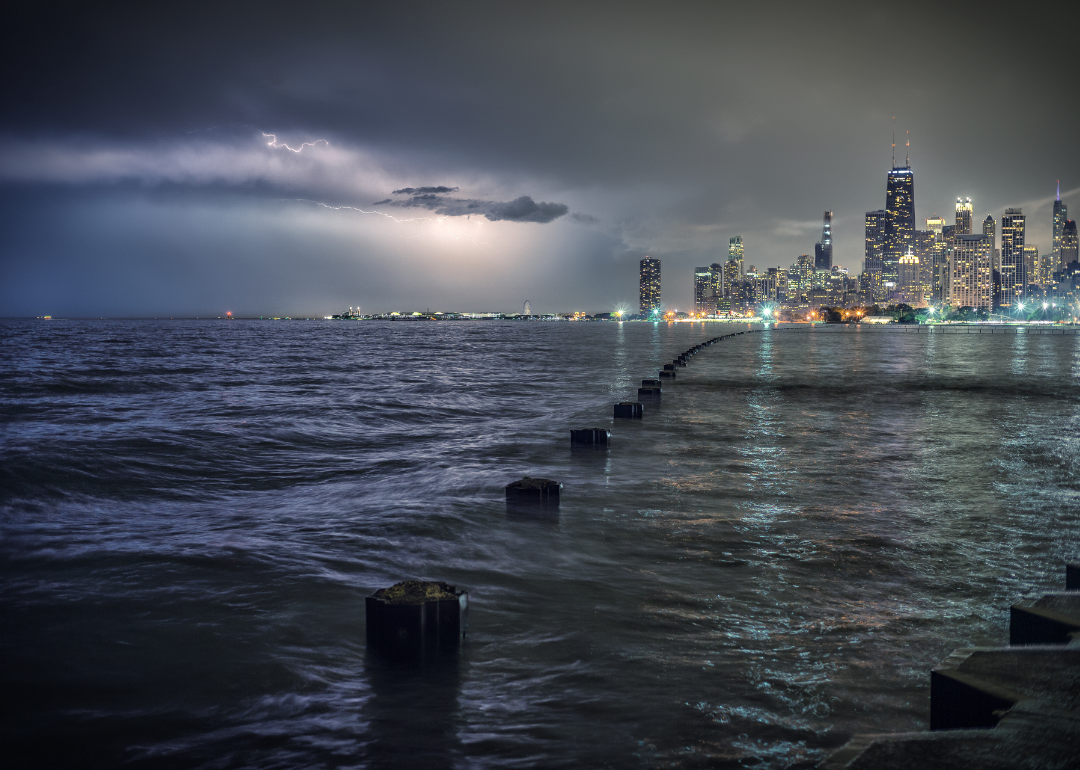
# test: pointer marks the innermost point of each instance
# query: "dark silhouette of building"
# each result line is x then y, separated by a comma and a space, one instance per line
823, 250
1061, 216
649, 286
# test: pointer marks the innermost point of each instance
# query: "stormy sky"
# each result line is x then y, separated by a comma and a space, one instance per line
267, 158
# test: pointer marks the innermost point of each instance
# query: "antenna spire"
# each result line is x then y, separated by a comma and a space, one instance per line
894, 142
907, 158
1059, 189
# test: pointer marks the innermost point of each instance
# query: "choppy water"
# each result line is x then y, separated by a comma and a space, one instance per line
191, 514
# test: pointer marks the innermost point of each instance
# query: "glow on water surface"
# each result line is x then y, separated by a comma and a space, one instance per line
770, 561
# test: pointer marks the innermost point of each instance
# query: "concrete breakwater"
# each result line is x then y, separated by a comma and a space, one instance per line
996, 708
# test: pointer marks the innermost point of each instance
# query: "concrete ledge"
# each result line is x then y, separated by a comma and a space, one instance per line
1029, 737
1049, 620
974, 686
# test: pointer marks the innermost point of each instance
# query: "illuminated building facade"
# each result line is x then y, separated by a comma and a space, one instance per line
989, 228
926, 251
970, 279
732, 277
649, 287
939, 266
823, 250
1061, 215
874, 260
1045, 265
1068, 244
909, 281
899, 221
963, 217
1031, 264
704, 298
1013, 277
717, 280
735, 253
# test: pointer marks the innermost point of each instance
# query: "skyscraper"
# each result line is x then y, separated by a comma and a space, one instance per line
874, 261
990, 231
735, 252
939, 266
704, 299
899, 221
926, 251
1031, 263
970, 279
1061, 214
1069, 244
910, 283
1013, 278
717, 279
963, 216
649, 286
823, 250
804, 276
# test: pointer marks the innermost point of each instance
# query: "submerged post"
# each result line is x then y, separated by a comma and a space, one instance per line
594, 436
533, 492
416, 621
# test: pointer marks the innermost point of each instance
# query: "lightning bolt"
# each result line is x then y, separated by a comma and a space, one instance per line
423, 221
274, 143
362, 211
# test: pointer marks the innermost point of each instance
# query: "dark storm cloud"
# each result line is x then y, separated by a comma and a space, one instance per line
676, 126
440, 190
523, 209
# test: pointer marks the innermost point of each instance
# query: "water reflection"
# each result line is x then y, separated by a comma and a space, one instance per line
413, 715
1019, 364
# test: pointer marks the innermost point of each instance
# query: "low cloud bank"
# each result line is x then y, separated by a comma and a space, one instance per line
523, 209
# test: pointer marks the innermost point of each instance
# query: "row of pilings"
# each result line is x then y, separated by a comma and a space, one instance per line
417, 623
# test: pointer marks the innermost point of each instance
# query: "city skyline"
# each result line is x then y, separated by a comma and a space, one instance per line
302, 163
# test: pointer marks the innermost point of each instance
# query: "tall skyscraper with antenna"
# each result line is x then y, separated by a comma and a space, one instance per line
899, 216
823, 250
1061, 215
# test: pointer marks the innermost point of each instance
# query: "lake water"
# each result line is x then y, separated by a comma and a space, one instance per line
192, 512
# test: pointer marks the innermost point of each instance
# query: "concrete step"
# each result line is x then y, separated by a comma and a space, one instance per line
1053, 619
1030, 737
